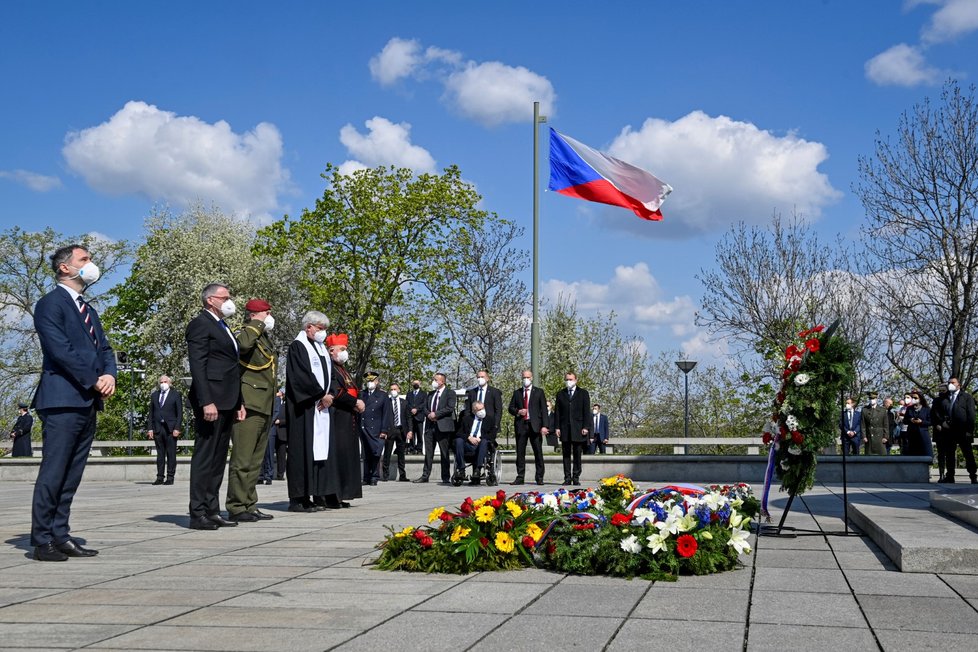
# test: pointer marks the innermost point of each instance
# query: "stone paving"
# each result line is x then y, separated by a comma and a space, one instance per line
303, 582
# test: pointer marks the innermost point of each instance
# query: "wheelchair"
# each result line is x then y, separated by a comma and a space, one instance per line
491, 471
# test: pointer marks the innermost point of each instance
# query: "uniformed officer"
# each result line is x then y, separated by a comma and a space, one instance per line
250, 437
375, 425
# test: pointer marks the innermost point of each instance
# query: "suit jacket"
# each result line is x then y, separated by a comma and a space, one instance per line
956, 419
214, 369
465, 427
407, 422
445, 414
538, 409
492, 398
416, 400
169, 416
279, 413
601, 433
573, 414
72, 362
855, 425
377, 416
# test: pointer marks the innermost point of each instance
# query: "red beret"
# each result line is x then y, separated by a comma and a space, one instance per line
339, 339
257, 305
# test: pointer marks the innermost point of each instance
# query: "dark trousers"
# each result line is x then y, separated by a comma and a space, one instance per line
372, 452
431, 438
597, 445
207, 464
268, 462
851, 444
67, 434
395, 441
281, 456
464, 447
415, 445
166, 453
523, 435
572, 451
954, 440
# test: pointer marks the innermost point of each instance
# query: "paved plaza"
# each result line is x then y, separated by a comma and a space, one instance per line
304, 582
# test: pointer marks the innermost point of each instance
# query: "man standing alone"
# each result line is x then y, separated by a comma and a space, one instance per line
573, 424
599, 431
957, 422
439, 427
530, 421
165, 425
78, 371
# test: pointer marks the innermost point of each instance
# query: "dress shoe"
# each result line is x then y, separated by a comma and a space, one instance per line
373, 483
517, 481
168, 481
280, 477
575, 481
385, 478
243, 517
420, 480
299, 507
262, 516
539, 481
73, 549
49, 552
403, 478
202, 523
948, 479
220, 521
157, 481
566, 481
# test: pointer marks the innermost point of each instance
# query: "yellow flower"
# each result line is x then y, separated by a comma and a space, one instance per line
485, 513
483, 501
533, 530
504, 542
435, 513
459, 533
514, 509
404, 533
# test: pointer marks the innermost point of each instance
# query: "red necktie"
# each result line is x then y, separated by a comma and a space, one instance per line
83, 308
526, 403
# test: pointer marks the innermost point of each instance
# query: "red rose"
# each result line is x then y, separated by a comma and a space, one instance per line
528, 542
484, 541
686, 545
797, 437
508, 525
818, 329
786, 373
539, 500
427, 542
813, 345
795, 365
496, 503
419, 534
766, 438
445, 516
619, 519
779, 398
466, 508
500, 495
593, 502
791, 352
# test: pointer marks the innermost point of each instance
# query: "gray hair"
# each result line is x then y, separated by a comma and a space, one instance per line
210, 290
315, 318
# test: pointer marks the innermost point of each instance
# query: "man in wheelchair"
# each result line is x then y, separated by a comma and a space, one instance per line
473, 441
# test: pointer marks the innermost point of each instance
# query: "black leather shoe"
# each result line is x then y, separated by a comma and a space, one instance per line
575, 481
373, 483
262, 516
168, 481
539, 481
220, 521
566, 481
517, 481
243, 517
280, 477
403, 478
73, 549
49, 552
420, 480
202, 523
299, 507
948, 479
158, 481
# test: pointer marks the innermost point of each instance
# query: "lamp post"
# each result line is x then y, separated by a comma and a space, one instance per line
686, 366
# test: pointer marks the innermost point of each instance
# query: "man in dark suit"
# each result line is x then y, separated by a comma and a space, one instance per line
850, 428
599, 431
573, 412
529, 409
375, 424
21, 433
439, 427
473, 437
400, 434
268, 462
165, 426
416, 399
492, 401
78, 371
215, 397
954, 414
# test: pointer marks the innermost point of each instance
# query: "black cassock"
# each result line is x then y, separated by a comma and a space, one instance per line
22, 442
306, 477
343, 471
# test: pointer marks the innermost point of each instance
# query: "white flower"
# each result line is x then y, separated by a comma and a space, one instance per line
550, 501
735, 518
794, 450
669, 526
791, 422
802, 379
631, 544
642, 515
657, 542
714, 500
738, 539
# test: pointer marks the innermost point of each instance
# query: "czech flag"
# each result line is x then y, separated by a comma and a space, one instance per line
576, 170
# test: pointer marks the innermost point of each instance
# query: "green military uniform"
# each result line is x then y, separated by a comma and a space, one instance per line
249, 438
875, 427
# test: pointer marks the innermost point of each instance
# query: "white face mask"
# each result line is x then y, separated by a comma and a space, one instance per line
527, 382
951, 387
571, 384
88, 273
371, 386
228, 308
319, 336
343, 356
434, 385
393, 393
164, 387
481, 381
849, 406
481, 414
872, 402
269, 322
594, 411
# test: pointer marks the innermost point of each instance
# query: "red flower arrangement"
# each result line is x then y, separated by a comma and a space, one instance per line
686, 545
619, 519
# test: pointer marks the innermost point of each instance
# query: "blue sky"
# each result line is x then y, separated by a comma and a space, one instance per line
743, 107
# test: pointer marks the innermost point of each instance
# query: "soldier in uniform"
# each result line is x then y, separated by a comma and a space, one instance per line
875, 426
21, 433
375, 425
250, 437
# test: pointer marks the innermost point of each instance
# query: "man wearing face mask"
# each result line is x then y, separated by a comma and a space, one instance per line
850, 427
599, 431
438, 428
399, 435
954, 419
375, 425
528, 405
415, 399
492, 401
165, 424
475, 431
344, 472
875, 426
215, 396
573, 425
78, 371
250, 436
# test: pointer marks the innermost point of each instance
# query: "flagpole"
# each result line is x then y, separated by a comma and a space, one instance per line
535, 323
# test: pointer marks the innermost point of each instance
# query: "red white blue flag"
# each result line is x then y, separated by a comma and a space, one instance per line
576, 170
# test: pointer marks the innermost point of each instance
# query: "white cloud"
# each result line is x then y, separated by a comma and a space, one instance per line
703, 347
33, 180
180, 159
489, 92
723, 171
954, 18
901, 65
385, 143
